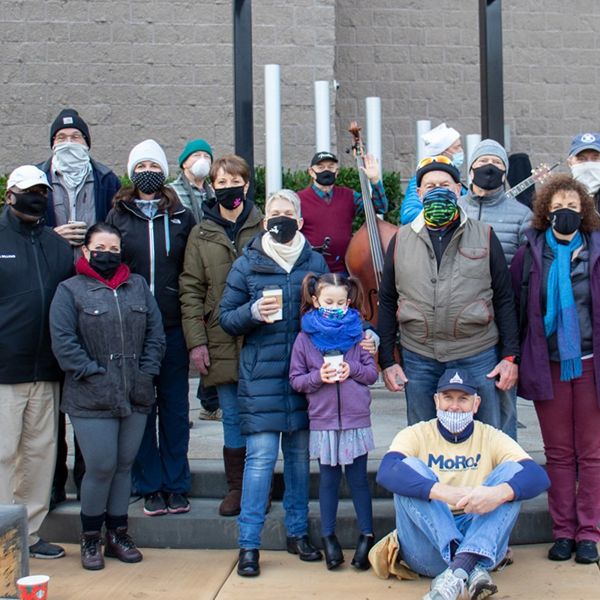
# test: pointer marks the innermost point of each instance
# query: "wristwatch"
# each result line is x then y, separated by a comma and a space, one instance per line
513, 359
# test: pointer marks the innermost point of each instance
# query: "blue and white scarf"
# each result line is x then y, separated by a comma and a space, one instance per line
561, 312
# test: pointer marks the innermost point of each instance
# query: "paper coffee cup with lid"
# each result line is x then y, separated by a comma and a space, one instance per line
274, 291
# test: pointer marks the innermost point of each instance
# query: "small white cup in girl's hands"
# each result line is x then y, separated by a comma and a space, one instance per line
331, 370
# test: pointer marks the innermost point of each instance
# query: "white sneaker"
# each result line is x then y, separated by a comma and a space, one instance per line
448, 585
480, 584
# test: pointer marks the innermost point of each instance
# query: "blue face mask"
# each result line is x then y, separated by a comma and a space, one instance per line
332, 313
458, 159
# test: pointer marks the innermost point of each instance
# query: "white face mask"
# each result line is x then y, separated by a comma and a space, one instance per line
588, 174
454, 422
200, 168
72, 161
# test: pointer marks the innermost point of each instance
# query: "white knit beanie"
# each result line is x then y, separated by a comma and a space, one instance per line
147, 150
439, 139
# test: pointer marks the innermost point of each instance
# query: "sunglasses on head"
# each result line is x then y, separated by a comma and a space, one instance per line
433, 159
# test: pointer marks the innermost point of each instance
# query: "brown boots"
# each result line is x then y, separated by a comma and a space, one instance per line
120, 545
234, 459
91, 551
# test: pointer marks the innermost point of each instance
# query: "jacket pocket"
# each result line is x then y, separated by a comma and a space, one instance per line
142, 392
95, 392
471, 262
412, 321
473, 319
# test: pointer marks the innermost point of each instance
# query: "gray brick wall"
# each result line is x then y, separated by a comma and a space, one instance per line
137, 69
422, 58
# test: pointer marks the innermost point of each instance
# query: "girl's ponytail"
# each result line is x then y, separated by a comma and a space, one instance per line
308, 290
355, 294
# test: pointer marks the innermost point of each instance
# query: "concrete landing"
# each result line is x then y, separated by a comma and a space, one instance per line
210, 574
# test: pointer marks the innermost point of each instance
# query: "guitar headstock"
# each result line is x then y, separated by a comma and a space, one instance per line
542, 172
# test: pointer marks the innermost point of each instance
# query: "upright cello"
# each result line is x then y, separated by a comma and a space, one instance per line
366, 251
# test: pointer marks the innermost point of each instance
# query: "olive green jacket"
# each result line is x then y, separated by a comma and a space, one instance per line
208, 258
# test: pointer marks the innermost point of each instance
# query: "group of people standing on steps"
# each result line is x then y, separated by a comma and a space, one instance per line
151, 276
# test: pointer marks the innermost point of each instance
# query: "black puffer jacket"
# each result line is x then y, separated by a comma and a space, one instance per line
109, 343
155, 248
33, 261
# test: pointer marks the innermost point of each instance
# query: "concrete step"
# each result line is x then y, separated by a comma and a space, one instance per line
203, 527
208, 479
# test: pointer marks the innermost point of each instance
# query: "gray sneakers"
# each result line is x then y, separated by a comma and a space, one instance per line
480, 584
448, 585
43, 549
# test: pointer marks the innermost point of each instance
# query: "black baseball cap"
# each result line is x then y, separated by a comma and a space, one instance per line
321, 156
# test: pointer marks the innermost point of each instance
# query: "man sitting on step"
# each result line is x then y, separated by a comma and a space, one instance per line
458, 486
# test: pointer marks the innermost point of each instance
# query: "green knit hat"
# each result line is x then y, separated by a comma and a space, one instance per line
195, 146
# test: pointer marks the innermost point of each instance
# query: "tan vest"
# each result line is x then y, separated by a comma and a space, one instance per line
446, 313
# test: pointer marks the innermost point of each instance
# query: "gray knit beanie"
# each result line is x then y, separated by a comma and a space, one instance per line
489, 148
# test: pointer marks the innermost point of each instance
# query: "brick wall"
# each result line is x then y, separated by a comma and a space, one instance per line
422, 58
137, 69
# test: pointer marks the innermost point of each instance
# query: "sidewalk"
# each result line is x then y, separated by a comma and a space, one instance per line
210, 574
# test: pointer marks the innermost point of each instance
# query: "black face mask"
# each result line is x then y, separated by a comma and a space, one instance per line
565, 220
488, 177
326, 178
105, 263
230, 197
148, 182
282, 229
32, 204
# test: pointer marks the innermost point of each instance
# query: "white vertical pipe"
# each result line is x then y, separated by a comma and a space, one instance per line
373, 105
472, 140
423, 127
507, 139
322, 116
272, 128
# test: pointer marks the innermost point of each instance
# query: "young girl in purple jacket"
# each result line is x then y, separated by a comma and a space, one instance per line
338, 402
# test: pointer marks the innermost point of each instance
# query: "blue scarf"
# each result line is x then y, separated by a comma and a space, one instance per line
561, 312
333, 334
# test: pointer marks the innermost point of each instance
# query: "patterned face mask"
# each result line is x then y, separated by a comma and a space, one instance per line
454, 422
440, 208
148, 182
332, 313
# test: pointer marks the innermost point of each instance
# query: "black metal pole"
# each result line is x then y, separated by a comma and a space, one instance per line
492, 84
242, 80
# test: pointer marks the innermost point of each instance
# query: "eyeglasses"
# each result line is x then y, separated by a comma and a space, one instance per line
60, 138
433, 159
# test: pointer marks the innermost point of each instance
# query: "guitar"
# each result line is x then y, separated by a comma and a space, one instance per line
538, 175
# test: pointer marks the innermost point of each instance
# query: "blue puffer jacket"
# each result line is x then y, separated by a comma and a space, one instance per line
267, 401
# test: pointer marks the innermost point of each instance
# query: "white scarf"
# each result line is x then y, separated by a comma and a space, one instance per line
283, 254
72, 161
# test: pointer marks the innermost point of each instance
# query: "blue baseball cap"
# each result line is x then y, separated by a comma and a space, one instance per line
456, 379
585, 141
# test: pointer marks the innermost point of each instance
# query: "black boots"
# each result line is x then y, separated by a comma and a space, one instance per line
248, 563
361, 556
234, 459
303, 548
334, 556
91, 551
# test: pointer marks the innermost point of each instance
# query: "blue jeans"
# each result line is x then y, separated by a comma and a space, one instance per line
228, 401
508, 411
423, 374
426, 529
261, 454
163, 464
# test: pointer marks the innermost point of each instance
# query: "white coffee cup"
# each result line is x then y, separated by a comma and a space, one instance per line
274, 292
335, 360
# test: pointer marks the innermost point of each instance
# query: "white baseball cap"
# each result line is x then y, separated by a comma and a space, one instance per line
27, 176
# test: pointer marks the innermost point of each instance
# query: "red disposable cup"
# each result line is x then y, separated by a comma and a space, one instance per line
33, 587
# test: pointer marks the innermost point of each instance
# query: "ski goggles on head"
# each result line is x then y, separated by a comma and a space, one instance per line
434, 159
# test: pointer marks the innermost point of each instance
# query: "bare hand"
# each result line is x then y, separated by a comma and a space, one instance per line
328, 373
450, 494
267, 307
394, 378
484, 499
368, 344
74, 233
371, 168
200, 359
509, 373
344, 372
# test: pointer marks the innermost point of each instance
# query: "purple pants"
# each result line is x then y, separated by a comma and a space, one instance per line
570, 424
